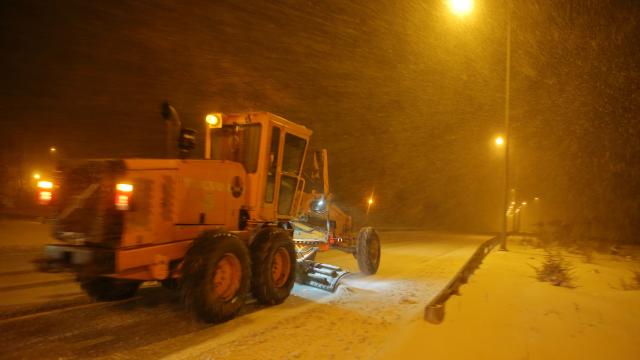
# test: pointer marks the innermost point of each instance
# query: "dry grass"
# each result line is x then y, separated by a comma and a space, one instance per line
556, 270
634, 284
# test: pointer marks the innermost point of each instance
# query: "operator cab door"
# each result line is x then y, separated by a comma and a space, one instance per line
284, 184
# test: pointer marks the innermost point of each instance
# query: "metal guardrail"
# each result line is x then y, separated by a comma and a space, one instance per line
434, 311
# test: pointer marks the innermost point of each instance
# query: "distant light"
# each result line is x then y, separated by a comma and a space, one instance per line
45, 184
214, 120
536, 198
36, 176
499, 141
524, 203
53, 149
370, 201
124, 187
461, 7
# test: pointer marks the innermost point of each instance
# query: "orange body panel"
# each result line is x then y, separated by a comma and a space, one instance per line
175, 196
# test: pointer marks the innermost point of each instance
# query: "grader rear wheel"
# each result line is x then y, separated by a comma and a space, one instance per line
227, 275
215, 277
368, 251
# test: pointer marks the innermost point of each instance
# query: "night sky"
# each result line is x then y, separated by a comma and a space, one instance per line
405, 96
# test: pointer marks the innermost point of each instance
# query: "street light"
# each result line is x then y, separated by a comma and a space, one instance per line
461, 7
53, 149
36, 176
499, 141
507, 96
464, 7
369, 203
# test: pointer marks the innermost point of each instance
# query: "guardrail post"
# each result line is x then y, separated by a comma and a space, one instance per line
434, 313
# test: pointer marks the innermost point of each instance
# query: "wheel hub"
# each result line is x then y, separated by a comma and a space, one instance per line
227, 275
281, 267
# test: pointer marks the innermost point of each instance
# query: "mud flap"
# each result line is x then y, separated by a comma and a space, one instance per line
322, 276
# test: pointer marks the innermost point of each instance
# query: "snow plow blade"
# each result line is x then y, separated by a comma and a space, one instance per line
322, 276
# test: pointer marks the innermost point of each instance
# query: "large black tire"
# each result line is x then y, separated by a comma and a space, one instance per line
215, 276
273, 258
368, 251
109, 289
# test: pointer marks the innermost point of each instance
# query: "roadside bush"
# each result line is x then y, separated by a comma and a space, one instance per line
555, 270
586, 249
587, 252
634, 284
531, 241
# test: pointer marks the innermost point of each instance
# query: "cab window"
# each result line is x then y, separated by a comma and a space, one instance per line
292, 157
273, 165
239, 143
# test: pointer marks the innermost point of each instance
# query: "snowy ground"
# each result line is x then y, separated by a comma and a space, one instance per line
355, 322
505, 313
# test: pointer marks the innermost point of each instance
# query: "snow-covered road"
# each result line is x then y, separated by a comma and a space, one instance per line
352, 323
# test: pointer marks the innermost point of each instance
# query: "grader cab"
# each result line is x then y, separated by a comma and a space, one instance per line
234, 224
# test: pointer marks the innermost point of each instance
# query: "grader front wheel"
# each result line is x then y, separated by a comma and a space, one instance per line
273, 260
368, 251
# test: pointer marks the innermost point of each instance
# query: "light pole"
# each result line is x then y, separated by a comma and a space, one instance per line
462, 8
507, 95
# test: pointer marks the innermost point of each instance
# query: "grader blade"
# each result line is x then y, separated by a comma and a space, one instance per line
322, 276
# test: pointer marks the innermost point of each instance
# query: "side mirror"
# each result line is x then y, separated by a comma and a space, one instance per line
186, 141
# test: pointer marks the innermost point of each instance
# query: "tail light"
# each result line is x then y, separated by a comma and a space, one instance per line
122, 199
45, 192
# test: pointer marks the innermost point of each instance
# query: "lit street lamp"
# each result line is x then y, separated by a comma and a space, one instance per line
461, 7
499, 141
36, 176
369, 203
53, 149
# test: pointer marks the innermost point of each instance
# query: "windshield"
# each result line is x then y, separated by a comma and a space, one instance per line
237, 143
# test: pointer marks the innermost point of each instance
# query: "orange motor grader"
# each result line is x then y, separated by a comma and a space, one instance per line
244, 221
